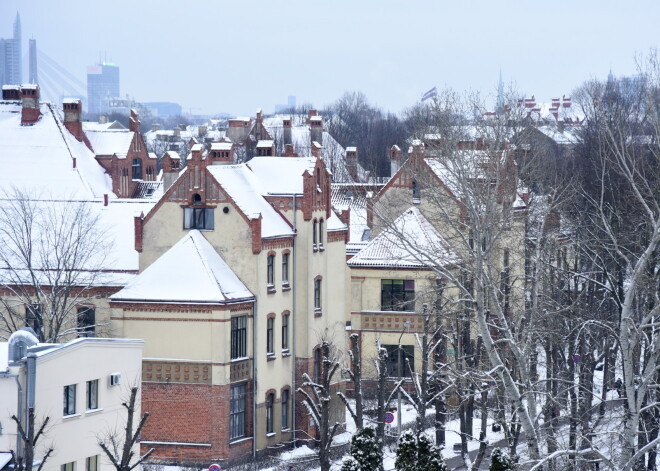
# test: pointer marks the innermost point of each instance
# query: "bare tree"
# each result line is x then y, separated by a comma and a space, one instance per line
120, 450
355, 374
51, 256
28, 439
317, 400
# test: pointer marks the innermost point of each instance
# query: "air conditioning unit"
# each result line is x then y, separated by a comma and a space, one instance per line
115, 379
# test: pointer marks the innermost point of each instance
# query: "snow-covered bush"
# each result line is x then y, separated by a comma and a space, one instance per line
502, 461
366, 452
416, 453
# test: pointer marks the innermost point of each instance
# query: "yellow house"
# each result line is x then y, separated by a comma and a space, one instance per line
242, 275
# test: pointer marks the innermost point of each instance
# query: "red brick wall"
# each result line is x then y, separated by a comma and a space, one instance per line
192, 413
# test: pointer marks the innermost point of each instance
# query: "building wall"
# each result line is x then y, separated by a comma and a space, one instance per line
75, 437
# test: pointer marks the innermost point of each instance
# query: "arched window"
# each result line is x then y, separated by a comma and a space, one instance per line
285, 409
321, 233
315, 234
137, 169
270, 399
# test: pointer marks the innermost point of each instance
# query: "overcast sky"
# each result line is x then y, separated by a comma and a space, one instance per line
220, 56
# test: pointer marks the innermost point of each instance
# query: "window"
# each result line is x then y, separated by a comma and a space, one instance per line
315, 233
416, 192
317, 295
270, 324
68, 466
198, 218
285, 409
397, 295
317, 365
33, 317
285, 332
69, 399
321, 232
137, 169
238, 337
93, 394
237, 411
92, 463
270, 274
285, 268
408, 357
270, 399
86, 321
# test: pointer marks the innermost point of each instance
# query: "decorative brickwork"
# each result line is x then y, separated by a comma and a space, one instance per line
176, 372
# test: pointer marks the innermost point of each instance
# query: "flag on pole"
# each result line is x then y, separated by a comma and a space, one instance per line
430, 94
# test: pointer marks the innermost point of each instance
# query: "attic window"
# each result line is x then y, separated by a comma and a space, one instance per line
416, 192
196, 200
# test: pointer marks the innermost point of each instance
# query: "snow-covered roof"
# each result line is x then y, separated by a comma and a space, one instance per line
410, 242
334, 223
265, 144
41, 157
219, 146
111, 141
245, 188
569, 135
282, 175
95, 126
202, 276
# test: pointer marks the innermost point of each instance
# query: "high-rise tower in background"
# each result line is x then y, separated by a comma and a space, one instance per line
102, 85
32, 61
11, 71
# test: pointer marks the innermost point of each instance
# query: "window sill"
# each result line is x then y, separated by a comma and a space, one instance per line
416, 200
315, 249
271, 434
93, 411
237, 440
321, 248
236, 360
70, 416
286, 353
270, 289
286, 430
286, 287
270, 357
317, 312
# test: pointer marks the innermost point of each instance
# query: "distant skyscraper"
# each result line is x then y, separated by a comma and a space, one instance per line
102, 85
11, 71
32, 57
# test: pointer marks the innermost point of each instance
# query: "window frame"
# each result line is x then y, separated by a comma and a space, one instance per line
270, 336
92, 395
85, 327
69, 400
285, 332
270, 270
285, 269
284, 401
237, 411
136, 169
92, 460
397, 300
317, 295
238, 339
321, 234
71, 466
202, 219
393, 360
270, 405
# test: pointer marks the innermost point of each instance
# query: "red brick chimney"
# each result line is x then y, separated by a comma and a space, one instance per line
222, 153
30, 100
395, 159
352, 162
286, 130
171, 166
316, 150
289, 151
72, 117
315, 126
134, 122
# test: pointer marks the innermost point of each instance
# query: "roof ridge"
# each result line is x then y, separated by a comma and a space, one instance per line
193, 236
